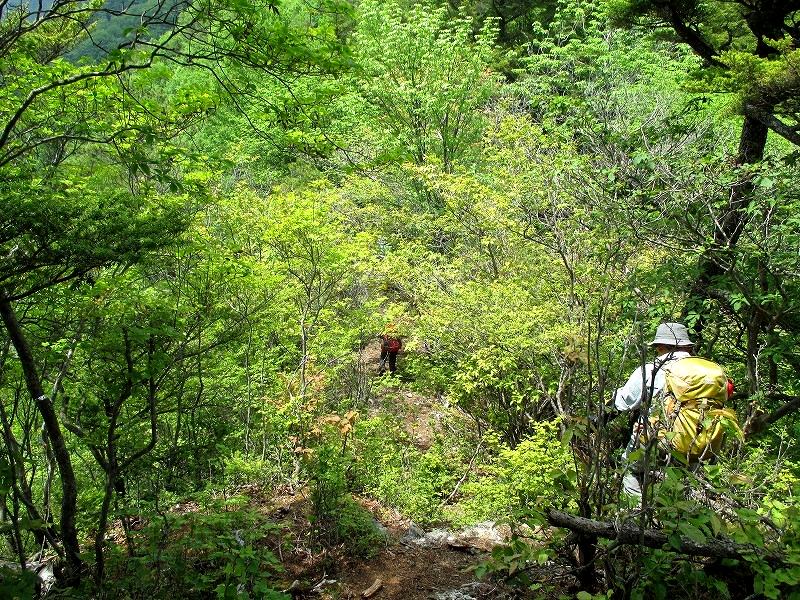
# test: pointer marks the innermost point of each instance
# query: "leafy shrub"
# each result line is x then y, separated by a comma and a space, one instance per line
685, 512
768, 487
783, 497
518, 479
221, 555
241, 469
16, 584
401, 476
495, 389
355, 528
338, 519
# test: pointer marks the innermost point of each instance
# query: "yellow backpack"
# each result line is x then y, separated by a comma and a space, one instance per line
694, 418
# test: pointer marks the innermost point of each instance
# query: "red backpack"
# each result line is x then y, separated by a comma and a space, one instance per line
393, 344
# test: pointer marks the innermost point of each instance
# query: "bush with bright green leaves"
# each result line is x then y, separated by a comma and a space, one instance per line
223, 554
727, 509
393, 471
338, 519
497, 391
519, 480
241, 469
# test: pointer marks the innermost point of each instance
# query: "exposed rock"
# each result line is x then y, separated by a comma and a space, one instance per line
296, 589
438, 538
470, 591
323, 583
42, 568
380, 528
483, 536
412, 535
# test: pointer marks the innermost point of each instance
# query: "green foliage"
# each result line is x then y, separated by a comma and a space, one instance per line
16, 584
67, 227
425, 77
200, 252
516, 20
222, 554
111, 29
494, 390
388, 468
700, 524
755, 59
513, 561
536, 473
338, 519
241, 469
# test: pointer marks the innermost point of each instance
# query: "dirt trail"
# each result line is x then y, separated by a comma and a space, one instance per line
406, 567
408, 573
421, 415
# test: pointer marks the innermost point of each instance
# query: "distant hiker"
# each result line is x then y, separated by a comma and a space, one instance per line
390, 346
684, 393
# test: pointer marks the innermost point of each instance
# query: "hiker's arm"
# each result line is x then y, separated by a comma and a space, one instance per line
629, 396
624, 399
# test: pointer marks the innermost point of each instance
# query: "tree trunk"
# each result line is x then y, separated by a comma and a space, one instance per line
69, 487
711, 265
100, 536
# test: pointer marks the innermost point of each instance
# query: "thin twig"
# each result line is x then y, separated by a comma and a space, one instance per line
464, 476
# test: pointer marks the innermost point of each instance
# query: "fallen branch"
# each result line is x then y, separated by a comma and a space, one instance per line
628, 533
373, 589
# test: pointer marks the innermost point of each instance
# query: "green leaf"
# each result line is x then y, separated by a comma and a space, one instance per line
567, 437
692, 532
675, 541
716, 524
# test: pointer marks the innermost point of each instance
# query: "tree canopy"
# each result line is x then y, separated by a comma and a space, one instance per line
212, 212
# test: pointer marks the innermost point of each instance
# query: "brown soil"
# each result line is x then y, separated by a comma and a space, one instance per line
406, 571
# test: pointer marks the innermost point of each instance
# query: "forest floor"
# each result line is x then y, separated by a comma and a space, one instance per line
411, 564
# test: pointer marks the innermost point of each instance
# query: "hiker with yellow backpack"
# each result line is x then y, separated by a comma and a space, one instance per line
687, 397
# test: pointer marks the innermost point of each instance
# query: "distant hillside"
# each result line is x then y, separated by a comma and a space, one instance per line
109, 31
33, 5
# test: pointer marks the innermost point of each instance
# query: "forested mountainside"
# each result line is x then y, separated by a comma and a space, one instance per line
292, 290
120, 21
32, 5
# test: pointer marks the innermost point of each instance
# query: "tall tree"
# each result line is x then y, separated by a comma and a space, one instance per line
90, 175
752, 48
424, 79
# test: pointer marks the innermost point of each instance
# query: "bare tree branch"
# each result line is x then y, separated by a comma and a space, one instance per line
628, 533
774, 123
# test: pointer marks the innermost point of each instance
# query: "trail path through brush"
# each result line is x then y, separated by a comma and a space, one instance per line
410, 572
412, 564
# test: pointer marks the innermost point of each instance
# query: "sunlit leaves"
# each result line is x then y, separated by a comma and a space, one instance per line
424, 78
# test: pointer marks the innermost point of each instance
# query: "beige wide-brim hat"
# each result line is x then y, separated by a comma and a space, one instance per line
672, 334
